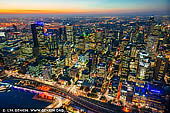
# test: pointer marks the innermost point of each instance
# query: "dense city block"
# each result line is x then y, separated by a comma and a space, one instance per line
107, 64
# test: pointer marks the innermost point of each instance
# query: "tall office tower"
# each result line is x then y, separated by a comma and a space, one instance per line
168, 74
116, 34
67, 52
125, 62
69, 33
2, 37
81, 43
140, 36
99, 35
15, 35
160, 69
101, 70
14, 32
151, 23
109, 40
52, 35
1, 65
46, 71
15, 28
26, 49
40, 42
62, 34
151, 19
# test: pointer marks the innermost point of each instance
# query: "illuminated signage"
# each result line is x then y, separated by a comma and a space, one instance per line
40, 23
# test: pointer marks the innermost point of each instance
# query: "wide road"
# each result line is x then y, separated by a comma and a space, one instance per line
88, 104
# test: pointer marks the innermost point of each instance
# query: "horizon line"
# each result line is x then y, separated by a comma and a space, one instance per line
78, 11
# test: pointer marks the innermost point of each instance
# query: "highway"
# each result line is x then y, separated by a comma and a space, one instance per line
88, 104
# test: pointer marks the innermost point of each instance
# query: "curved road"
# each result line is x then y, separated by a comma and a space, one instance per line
95, 107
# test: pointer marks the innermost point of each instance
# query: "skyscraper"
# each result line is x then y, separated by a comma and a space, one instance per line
40, 42
69, 33
160, 69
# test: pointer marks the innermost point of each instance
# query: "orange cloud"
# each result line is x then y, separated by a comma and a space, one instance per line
20, 11
64, 11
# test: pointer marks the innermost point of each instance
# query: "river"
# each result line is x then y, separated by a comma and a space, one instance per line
18, 98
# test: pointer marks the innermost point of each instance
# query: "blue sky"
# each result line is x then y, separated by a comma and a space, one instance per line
110, 6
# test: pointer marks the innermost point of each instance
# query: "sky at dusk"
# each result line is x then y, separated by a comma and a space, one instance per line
82, 6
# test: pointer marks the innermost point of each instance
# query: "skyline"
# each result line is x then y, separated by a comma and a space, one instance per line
85, 56
83, 7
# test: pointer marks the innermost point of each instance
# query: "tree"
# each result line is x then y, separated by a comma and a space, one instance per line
59, 76
110, 102
120, 102
88, 94
103, 98
92, 95
87, 89
77, 75
81, 88
53, 77
69, 82
76, 83
143, 109
94, 90
135, 109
